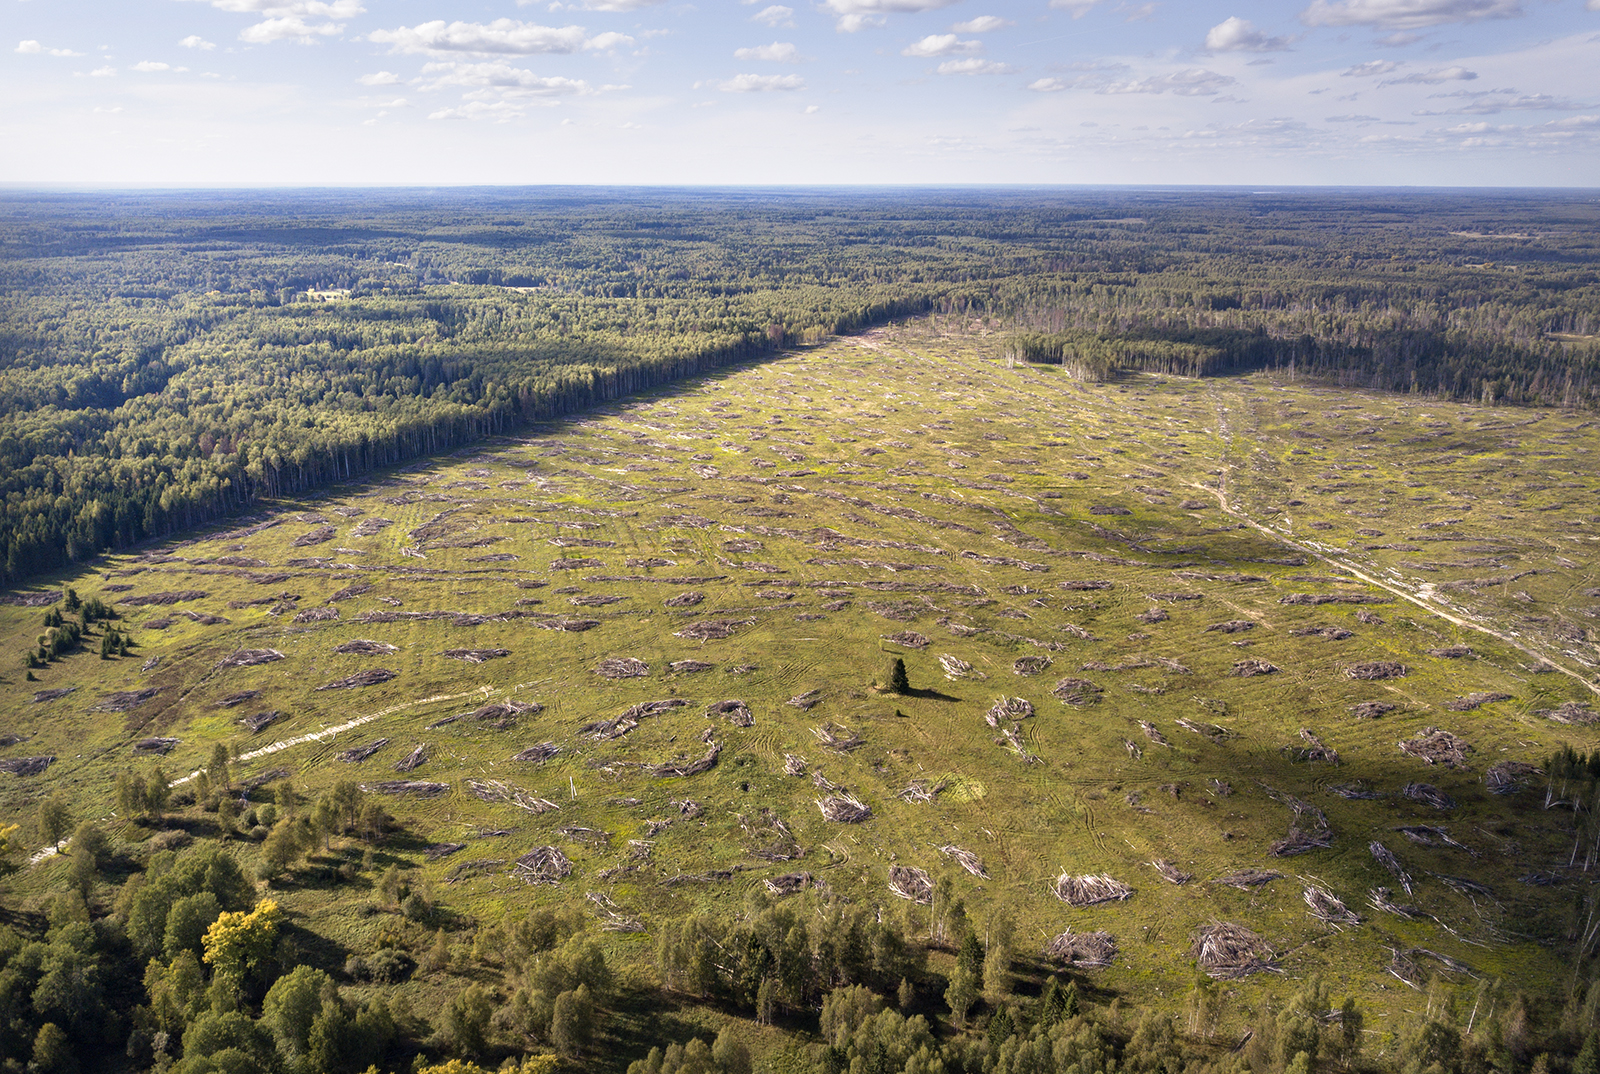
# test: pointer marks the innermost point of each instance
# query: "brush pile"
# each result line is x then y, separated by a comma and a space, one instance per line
570, 626
1385, 857
1007, 709
957, 668
1374, 670
1474, 701
259, 721
711, 629
1228, 952
1232, 626
734, 711
678, 769
408, 788
1370, 710
622, 667
476, 656
543, 865
1331, 633
364, 647
1089, 890
837, 738
911, 883
1170, 872
1326, 907
808, 700
1077, 692
26, 766
493, 790
1434, 746
1083, 950
1206, 730
1576, 713
371, 527
249, 658
789, 883
1153, 733
541, 752
844, 809
966, 859
1246, 669
908, 638
1507, 777
316, 615
311, 537
1380, 899
793, 765
684, 600
1451, 652
1245, 879
921, 790
1428, 795
1300, 840
1315, 750
364, 678
497, 714
357, 754
1030, 665
689, 667
154, 745
413, 760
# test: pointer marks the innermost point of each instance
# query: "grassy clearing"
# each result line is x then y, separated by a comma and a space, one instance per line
907, 481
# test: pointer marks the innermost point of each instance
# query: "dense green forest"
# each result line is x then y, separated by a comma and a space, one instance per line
166, 359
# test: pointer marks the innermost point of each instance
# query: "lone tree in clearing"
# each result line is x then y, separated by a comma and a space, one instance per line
898, 683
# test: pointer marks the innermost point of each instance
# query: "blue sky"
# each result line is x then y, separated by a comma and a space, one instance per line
420, 92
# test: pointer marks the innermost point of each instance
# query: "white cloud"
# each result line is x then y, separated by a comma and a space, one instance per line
974, 67
500, 37
286, 20
988, 24
1497, 101
1047, 85
812, 109
500, 111
103, 72
151, 66
941, 45
196, 41
1195, 82
500, 80
1406, 14
779, 15
618, 5
288, 28
777, 52
34, 48
1234, 34
1352, 119
1077, 8
858, 14
608, 41
380, 78
1432, 78
1593, 5
1370, 68
762, 84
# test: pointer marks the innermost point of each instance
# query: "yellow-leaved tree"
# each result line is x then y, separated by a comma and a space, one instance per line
237, 940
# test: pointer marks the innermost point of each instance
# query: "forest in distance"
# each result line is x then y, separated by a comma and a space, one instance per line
168, 359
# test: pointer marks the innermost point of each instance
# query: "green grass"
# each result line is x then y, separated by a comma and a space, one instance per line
788, 445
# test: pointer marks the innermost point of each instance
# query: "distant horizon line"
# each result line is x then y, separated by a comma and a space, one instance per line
58, 187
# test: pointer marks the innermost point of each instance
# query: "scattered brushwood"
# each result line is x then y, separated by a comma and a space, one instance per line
1135, 750
911, 883
684, 600
1232, 626
1153, 733
793, 765
1371, 710
363, 678
1334, 598
789, 883
711, 629
844, 809
1325, 906
1425, 834
1406, 966
838, 738
357, 754
316, 615
577, 833
574, 563
1077, 692
823, 783
966, 859
628, 719
1008, 708
688, 667
1374, 670
1540, 880
1428, 795
317, 536
26, 766
1229, 952
1152, 615
733, 710
1206, 730
1300, 840
1246, 669
1355, 792
1475, 700
1381, 899
408, 788
543, 865
1089, 890
1170, 872
640, 849
1508, 777
957, 668
172, 597
1082, 950
497, 714
123, 700
413, 760
622, 667
476, 656
155, 745
12, 740
1385, 857
42, 696
1331, 633
908, 638
1434, 746
595, 600
493, 790
1315, 750
1030, 665
922, 790
371, 527
570, 626
1576, 713
1246, 879
808, 700
678, 769
365, 647
436, 851
541, 752
249, 658
1451, 652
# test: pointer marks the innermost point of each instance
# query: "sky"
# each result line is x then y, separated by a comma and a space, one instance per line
723, 92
